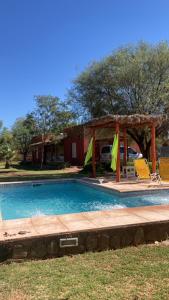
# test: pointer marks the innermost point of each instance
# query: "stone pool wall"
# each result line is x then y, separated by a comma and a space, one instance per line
94, 240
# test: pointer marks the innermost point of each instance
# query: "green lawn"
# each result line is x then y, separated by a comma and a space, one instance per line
130, 273
29, 172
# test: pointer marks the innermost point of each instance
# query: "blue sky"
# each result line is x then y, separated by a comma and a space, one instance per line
44, 44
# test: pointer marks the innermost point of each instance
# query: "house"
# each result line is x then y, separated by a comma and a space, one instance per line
75, 144
53, 148
78, 137
71, 146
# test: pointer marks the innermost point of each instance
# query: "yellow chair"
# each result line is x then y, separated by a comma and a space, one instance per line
164, 168
143, 170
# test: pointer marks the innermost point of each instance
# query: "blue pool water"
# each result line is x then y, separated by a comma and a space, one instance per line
70, 197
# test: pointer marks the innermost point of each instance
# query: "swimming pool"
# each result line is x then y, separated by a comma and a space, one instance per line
25, 201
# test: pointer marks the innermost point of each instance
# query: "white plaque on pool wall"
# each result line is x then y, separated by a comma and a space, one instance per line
68, 242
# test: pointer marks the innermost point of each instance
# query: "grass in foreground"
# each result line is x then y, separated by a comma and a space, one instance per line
130, 273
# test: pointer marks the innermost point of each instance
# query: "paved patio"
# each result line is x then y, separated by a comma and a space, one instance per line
127, 185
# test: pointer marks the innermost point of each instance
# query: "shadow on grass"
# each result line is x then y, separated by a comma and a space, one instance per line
22, 172
29, 166
39, 177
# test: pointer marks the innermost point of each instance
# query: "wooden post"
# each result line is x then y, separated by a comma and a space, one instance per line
153, 148
125, 146
118, 155
94, 155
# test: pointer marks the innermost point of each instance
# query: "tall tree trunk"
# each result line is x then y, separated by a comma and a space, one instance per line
42, 156
25, 156
42, 153
7, 164
143, 141
145, 149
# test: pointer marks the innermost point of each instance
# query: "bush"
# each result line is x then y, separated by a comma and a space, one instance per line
100, 169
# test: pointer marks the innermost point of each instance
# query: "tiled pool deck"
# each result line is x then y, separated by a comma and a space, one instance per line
95, 230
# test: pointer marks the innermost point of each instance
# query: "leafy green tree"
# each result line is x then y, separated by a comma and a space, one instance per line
52, 116
6, 147
133, 80
23, 131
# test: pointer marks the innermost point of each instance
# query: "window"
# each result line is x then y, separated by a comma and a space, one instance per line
106, 149
122, 150
74, 152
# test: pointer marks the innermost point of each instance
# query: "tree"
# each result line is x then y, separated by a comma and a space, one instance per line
52, 116
133, 80
23, 131
6, 146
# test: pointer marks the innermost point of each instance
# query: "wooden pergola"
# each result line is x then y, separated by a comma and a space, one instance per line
122, 123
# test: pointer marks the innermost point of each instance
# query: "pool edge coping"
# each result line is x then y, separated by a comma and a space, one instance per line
95, 185
88, 181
